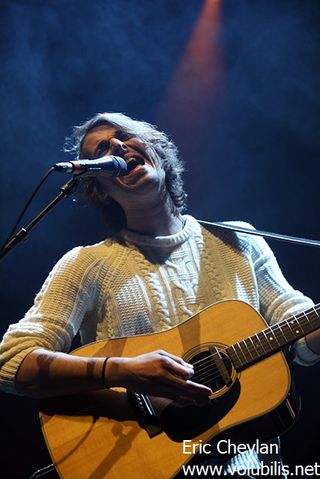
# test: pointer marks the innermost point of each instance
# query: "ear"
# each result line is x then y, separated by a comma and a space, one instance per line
101, 194
95, 193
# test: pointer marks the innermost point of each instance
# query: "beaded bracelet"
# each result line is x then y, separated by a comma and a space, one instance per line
103, 373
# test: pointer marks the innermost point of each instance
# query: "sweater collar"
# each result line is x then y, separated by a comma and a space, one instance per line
190, 226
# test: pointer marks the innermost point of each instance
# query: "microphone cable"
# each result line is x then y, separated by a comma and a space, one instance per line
26, 206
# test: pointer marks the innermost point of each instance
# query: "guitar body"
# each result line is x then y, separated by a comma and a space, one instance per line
97, 436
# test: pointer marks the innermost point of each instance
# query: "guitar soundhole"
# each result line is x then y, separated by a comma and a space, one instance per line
212, 367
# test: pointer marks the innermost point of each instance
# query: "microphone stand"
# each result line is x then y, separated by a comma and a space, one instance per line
67, 188
22, 234
266, 234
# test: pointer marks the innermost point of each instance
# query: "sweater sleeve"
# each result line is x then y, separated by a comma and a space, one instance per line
54, 319
278, 300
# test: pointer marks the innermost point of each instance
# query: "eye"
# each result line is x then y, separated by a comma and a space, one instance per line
122, 135
103, 147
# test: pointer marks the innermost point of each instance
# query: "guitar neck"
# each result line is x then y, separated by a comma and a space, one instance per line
274, 338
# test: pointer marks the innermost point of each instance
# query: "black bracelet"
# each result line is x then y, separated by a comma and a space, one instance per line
103, 374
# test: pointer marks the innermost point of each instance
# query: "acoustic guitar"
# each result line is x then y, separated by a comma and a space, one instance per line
116, 433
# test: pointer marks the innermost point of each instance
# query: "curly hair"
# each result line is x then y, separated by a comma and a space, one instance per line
148, 134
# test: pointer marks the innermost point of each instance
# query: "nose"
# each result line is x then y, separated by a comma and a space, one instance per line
117, 146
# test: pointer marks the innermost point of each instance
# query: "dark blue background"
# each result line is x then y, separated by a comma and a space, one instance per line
250, 141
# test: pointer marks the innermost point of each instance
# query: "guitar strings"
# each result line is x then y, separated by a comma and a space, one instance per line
201, 371
206, 368
207, 377
208, 364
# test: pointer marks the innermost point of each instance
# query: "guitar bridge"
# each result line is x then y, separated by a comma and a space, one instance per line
144, 412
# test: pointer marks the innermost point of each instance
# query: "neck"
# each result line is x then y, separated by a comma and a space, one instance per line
156, 220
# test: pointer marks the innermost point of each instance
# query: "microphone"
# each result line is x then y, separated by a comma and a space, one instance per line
109, 165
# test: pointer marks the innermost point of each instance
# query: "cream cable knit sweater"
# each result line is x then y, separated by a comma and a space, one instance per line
136, 284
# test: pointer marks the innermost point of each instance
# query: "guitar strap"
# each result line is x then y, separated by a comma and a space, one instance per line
277, 236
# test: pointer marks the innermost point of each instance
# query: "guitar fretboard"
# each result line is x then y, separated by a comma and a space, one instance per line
274, 338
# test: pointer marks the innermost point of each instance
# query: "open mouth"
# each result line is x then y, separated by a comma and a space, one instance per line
132, 163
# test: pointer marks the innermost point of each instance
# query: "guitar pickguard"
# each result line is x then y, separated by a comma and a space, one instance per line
213, 368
